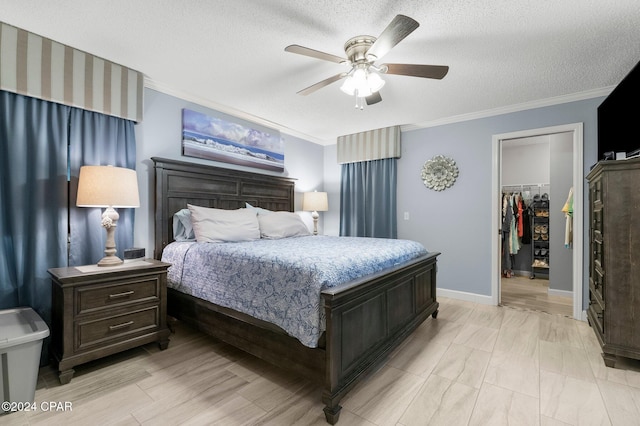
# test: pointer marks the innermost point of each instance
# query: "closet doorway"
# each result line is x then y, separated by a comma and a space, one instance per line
536, 170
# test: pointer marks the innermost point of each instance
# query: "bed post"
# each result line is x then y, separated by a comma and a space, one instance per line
332, 414
332, 370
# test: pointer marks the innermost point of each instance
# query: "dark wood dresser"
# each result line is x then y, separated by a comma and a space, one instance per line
98, 311
614, 264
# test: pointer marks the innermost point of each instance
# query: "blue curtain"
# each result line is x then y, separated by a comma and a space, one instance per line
97, 139
42, 146
33, 199
368, 199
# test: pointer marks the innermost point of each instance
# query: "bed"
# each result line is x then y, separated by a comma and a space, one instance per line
364, 319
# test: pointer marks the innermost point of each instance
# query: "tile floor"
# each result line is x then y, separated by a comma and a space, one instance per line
533, 294
473, 365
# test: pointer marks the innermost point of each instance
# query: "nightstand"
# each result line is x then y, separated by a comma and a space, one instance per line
99, 311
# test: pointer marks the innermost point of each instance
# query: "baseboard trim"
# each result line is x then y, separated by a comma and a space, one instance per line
463, 295
488, 300
561, 293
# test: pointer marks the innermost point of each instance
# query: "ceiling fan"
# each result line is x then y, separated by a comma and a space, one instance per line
364, 80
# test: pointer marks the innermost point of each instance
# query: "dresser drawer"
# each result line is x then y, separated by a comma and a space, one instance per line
596, 288
596, 191
117, 293
597, 220
597, 250
596, 314
599, 278
116, 327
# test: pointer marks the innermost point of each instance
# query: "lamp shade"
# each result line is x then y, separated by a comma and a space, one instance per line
107, 186
315, 201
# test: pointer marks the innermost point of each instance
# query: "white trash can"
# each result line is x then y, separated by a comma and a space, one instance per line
21, 334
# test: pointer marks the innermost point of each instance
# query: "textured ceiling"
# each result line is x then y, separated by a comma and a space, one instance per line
229, 54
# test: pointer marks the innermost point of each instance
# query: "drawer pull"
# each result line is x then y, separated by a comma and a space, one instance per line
119, 326
119, 295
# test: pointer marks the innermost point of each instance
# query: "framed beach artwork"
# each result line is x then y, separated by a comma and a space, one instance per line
213, 138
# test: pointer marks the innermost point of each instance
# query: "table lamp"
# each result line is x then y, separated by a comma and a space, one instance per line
315, 202
108, 187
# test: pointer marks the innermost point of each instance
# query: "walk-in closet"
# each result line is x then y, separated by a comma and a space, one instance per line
536, 250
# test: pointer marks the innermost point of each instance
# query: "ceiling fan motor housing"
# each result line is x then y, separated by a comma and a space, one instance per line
356, 48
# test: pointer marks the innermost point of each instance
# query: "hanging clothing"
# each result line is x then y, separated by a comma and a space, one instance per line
511, 218
526, 226
567, 209
507, 218
514, 242
520, 216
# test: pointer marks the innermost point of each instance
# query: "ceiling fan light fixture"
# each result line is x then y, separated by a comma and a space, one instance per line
348, 86
363, 91
375, 82
362, 83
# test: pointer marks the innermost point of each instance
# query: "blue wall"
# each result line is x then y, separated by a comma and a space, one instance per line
457, 222
160, 135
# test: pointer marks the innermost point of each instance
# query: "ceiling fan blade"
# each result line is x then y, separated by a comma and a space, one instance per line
301, 50
374, 98
425, 71
400, 27
322, 84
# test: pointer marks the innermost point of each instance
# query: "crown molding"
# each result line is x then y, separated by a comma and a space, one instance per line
556, 100
189, 97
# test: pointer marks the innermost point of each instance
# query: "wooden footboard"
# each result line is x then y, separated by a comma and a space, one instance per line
369, 318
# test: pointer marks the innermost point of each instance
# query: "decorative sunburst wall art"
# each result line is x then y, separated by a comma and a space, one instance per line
439, 173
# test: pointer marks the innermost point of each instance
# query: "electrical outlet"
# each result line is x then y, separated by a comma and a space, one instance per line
406, 215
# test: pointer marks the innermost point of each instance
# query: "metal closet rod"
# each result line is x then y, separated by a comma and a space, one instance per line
527, 185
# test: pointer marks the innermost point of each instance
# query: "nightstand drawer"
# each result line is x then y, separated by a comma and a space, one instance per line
97, 312
98, 331
118, 293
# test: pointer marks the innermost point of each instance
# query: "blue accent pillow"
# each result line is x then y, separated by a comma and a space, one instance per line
182, 227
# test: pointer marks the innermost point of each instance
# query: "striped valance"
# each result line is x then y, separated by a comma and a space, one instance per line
372, 145
39, 67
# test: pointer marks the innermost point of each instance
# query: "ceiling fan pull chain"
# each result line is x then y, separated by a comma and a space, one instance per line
359, 101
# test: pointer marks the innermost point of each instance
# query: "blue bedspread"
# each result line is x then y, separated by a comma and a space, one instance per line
280, 281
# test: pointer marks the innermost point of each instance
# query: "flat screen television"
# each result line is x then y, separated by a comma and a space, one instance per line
618, 116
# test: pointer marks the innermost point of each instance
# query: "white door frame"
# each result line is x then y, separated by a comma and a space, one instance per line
578, 210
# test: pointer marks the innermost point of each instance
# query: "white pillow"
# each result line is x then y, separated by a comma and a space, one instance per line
307, 219
277, 225
220, 226
259, 210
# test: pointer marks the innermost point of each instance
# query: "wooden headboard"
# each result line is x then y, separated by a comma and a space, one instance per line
180, 182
